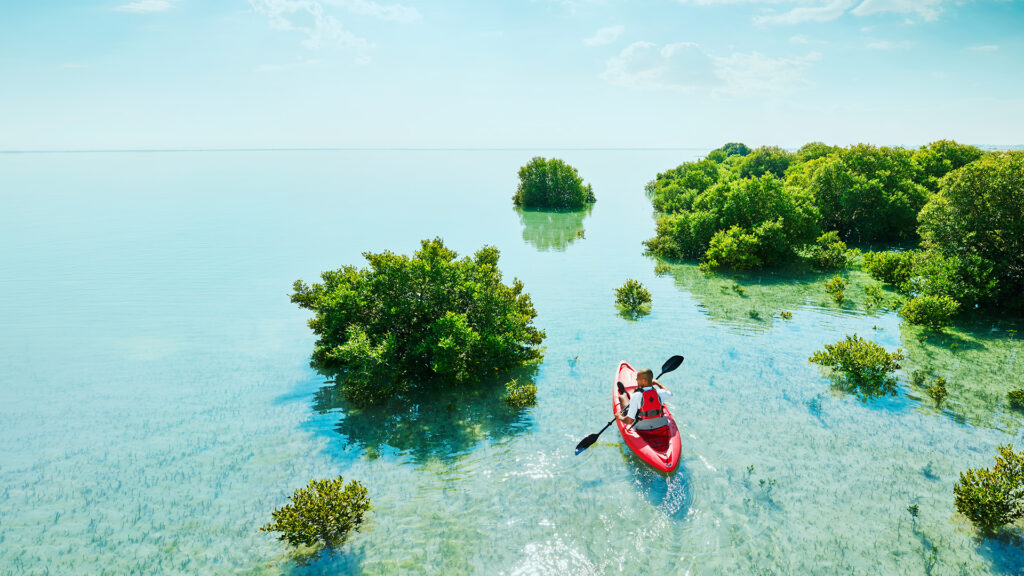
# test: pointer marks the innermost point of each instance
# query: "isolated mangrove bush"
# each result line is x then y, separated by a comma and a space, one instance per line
322, 515
632, 298
405, 321
551, 184
934, 312
520, 394
836, 287
993, 497
863, 366
938, 391
1015, 398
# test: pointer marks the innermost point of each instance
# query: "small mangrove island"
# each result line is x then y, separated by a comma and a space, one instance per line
407, 321
552, 185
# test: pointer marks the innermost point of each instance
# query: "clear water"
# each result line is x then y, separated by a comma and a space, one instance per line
156, 402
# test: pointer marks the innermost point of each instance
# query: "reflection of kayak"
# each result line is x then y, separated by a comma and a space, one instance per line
659, 447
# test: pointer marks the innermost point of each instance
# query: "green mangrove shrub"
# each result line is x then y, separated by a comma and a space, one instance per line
776, 220
733, 248
815, 150
918, 377
836, 287
828, 252
962, 203
875, 295
969, 279
866, 193
933, 312
322, 515
938, 391
633, 299
404, 321
520, 394
730, 149
977, 217
939, 158
865, 366
1015, 398
892, 268
676, 189
551, 183
765, 160
992, 497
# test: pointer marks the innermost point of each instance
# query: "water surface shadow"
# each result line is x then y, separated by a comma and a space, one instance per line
345, 561
981, 360
1005, 554
439, 422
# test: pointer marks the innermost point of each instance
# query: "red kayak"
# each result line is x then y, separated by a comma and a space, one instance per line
659, 447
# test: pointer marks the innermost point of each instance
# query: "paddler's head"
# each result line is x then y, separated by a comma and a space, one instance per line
644, 377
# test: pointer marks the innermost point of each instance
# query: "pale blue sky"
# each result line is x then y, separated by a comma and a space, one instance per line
121, 74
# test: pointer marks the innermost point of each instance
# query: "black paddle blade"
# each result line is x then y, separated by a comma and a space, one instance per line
671, 364
586, 443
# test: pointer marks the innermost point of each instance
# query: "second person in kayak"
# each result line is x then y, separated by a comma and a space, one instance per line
646, 407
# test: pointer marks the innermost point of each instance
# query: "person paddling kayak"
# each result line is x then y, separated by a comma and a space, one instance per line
646, 406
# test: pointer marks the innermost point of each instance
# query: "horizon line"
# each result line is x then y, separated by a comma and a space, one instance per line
994, 147
347, 148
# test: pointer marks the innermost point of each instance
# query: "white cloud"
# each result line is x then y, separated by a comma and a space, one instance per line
927, 9
321, 29
145, 6
798, 39
798, 11
395, 12
680, 66
605, 36
755, 73
685, 66
888, 45
815, 13
985, 48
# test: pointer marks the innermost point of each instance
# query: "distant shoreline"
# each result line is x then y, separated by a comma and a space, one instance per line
364, 149
987, 147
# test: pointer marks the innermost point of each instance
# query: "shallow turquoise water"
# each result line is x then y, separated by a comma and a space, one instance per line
157, 403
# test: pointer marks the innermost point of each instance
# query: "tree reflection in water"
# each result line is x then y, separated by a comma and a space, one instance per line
552, 230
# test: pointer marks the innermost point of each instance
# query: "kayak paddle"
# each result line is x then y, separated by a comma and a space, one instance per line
669, 365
